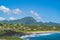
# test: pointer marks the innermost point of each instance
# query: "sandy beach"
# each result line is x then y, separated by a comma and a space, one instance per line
42, 32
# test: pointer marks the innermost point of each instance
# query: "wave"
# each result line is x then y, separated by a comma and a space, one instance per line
35, 35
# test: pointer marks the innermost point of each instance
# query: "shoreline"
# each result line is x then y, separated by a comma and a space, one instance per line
42, 32
38, 34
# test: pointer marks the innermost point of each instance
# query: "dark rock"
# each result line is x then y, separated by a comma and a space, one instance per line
13, 33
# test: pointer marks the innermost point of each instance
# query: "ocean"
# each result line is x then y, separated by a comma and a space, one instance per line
48, 36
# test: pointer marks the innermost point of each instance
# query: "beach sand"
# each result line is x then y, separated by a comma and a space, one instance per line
42, 32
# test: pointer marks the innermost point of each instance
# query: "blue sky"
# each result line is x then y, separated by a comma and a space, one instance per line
41, 10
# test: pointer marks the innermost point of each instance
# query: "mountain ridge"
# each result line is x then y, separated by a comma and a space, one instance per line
28, 21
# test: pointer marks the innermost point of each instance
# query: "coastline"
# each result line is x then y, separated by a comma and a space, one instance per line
39, 33
42, 32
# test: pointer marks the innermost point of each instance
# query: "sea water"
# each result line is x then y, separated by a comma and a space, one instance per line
47, 36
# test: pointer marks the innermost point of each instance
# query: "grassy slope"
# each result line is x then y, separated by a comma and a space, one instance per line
9, 38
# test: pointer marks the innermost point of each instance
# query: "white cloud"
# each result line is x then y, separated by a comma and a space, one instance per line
38, 17
4, 9
8, 10
12, 18
1, 18
17, 11
31, 11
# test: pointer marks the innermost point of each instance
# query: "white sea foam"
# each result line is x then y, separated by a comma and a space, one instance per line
35, 35
45, 34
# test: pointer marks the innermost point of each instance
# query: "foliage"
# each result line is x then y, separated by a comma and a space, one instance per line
21, 26
9, 38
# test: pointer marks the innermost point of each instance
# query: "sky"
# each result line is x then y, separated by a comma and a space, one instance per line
40, 10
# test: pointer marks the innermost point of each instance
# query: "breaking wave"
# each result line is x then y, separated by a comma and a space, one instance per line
35, 35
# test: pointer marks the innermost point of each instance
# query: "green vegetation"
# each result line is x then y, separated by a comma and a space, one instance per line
24, 28
9, 38
6, 37
27, 25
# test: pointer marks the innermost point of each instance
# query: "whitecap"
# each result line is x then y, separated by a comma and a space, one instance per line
35, 35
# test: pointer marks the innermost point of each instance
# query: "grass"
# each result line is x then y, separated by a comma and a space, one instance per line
16, 38
2, 32
9, 38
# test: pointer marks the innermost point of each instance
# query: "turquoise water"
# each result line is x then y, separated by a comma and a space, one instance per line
49, 36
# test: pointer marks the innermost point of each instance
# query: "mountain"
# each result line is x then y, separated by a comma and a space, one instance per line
4, 21
25, 20
51, 23
28, 21
48, 23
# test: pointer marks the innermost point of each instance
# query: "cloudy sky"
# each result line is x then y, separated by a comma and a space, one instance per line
41, 10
